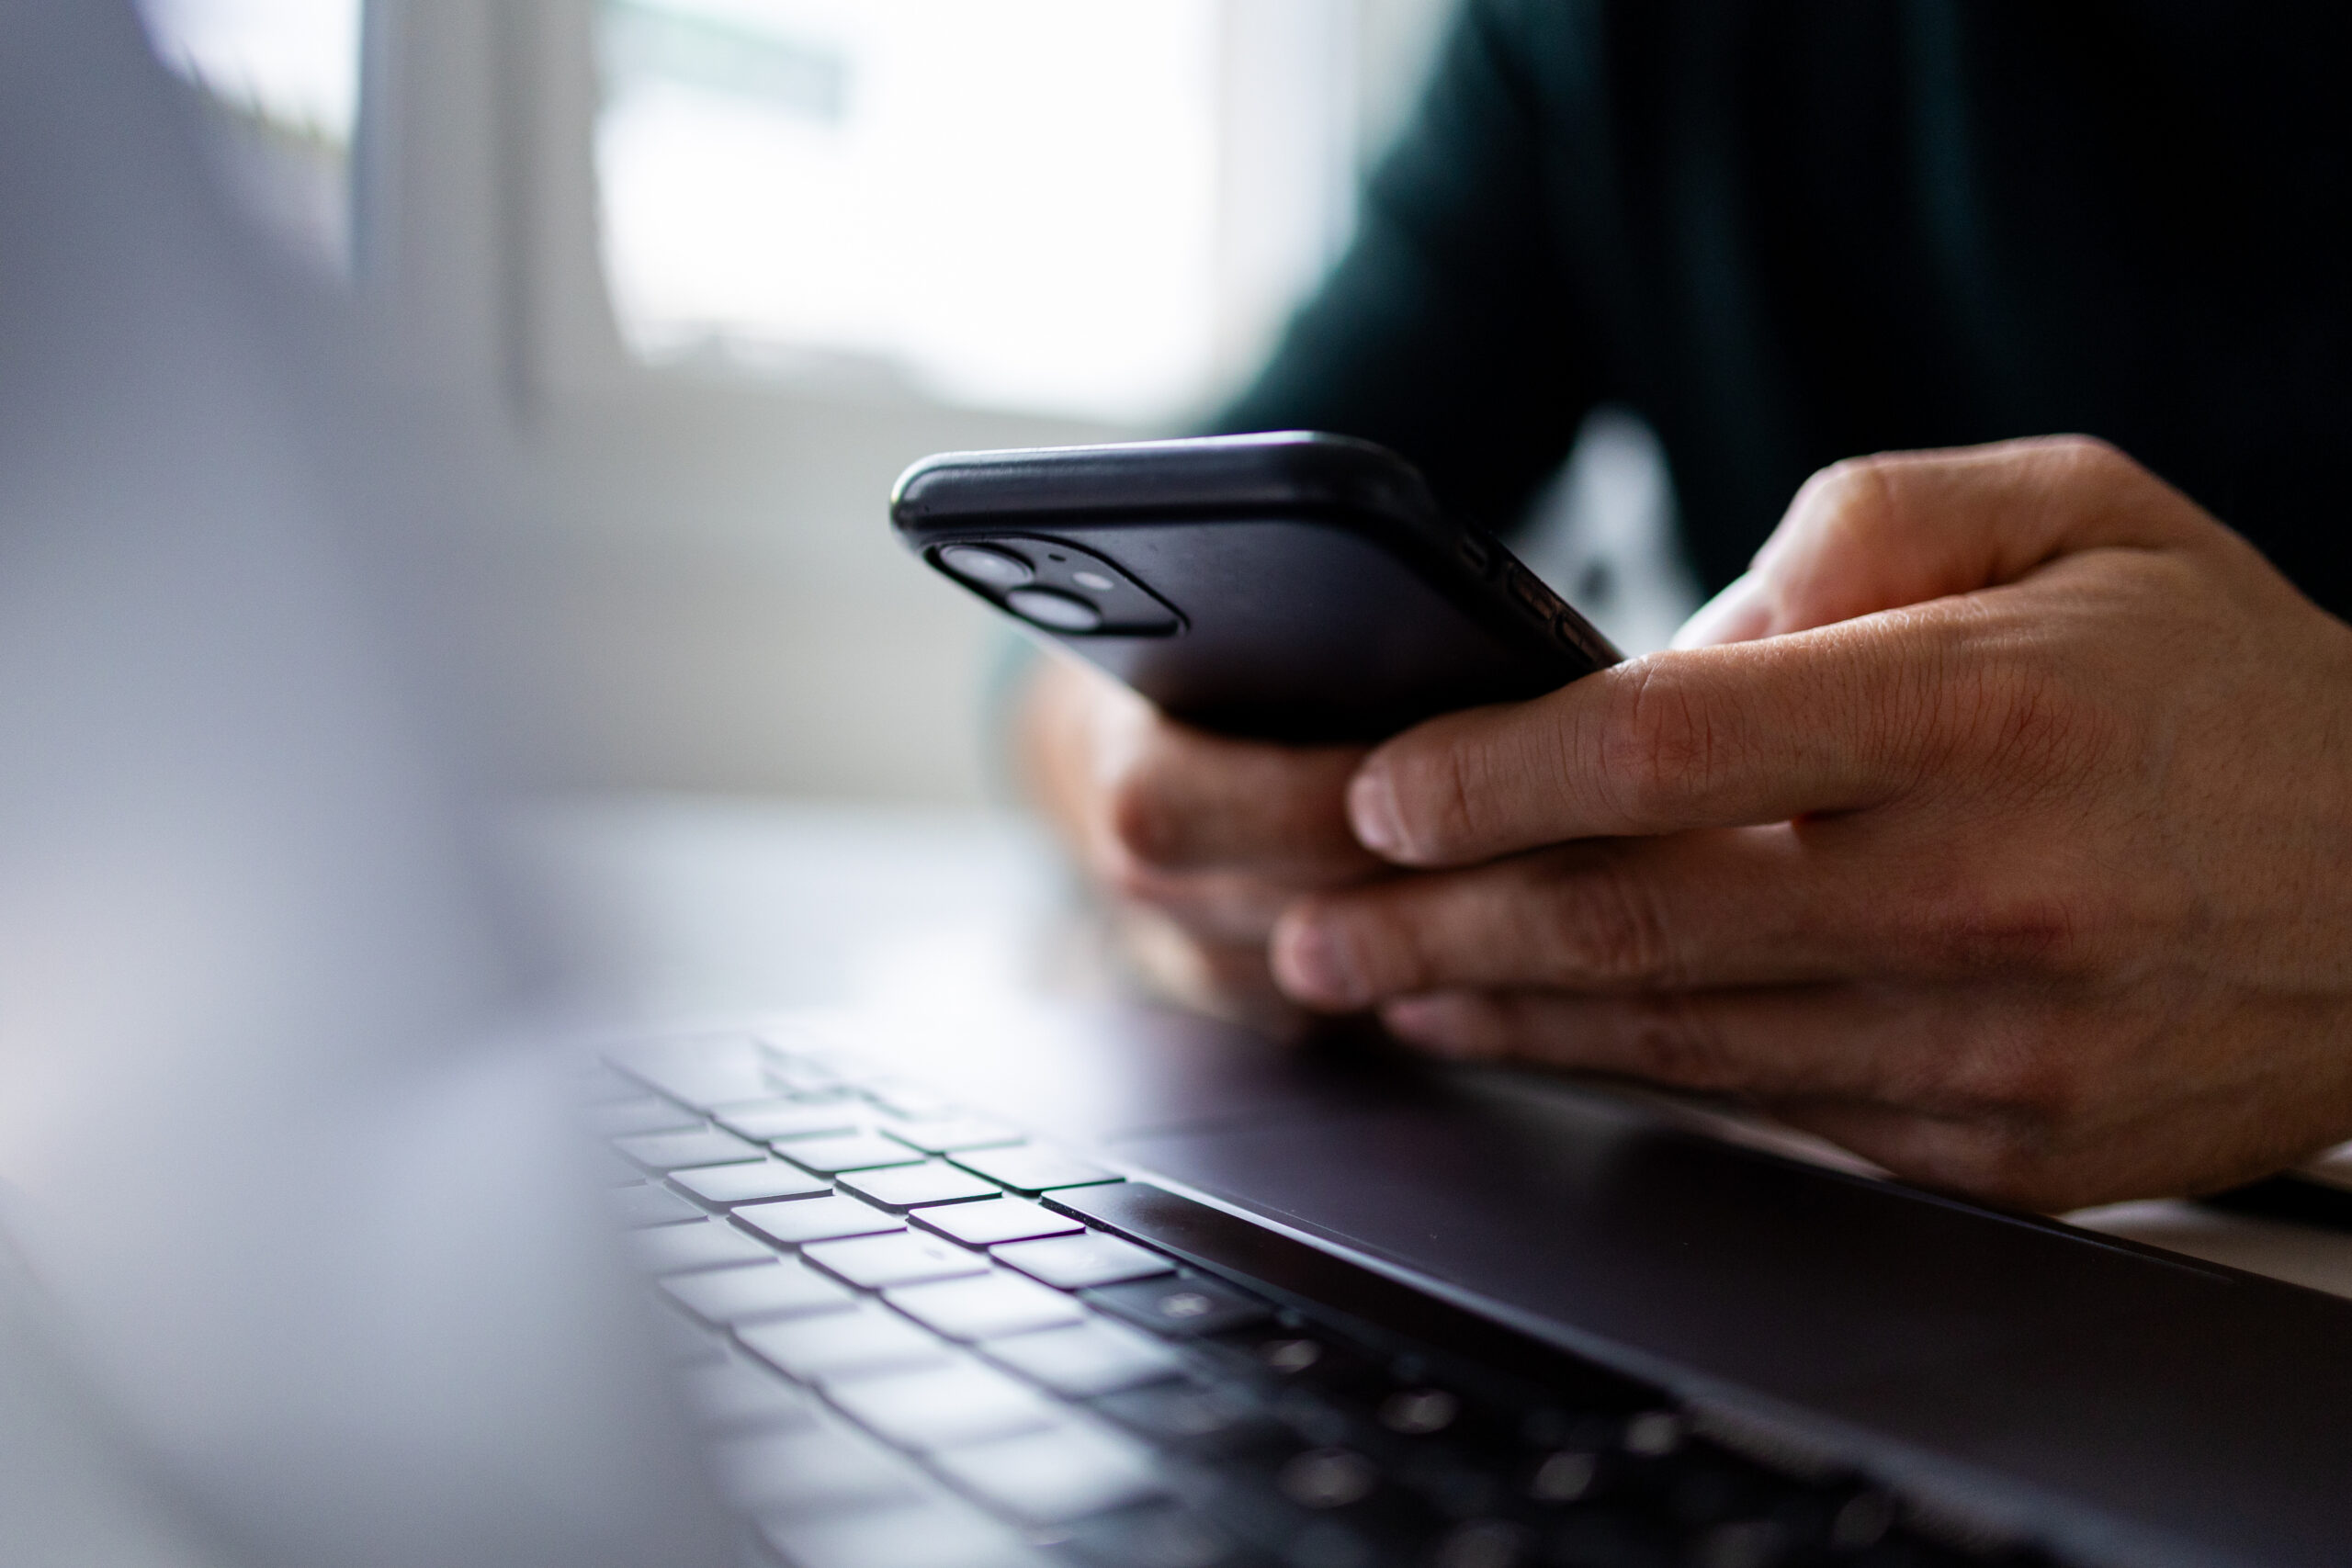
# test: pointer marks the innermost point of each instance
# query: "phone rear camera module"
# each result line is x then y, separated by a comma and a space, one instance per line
1054, 585
989, 564
1055, 612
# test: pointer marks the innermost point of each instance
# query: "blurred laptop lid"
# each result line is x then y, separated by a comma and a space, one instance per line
292, 1275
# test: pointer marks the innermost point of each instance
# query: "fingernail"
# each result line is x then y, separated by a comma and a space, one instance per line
1428, 1025
1736, 614
1417, 1021
1372, 812
1313, 964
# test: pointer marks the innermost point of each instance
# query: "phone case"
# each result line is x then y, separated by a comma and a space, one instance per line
1292, 585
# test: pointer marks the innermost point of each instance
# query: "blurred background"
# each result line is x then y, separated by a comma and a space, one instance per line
710, 273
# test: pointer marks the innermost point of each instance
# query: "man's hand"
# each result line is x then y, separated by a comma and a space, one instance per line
1200, 841
2004, 837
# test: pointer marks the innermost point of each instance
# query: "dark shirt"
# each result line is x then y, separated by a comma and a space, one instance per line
1787, 234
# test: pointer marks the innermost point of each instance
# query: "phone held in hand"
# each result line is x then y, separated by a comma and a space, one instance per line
1291, 586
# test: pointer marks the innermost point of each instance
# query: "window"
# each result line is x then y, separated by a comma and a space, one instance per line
279, 80
1026, 204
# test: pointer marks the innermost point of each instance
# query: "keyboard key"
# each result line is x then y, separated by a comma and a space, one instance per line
1090, 1359
953, 1133
806, 1080
841, 1345
777, 1289
738, 1397
1170, 1536
705, 1244
1504, 1544
910, 1186
1031, 1169
1053, 1477
1327, 1478
859, 1151
935, 1533
910, 1101
1214, 1419
906, 1257
642, 1114
1189, 1306
1356, 1501
987, 1307
1419, 1412
703, 1075
816, 1219
680, 1151
945, 1407
985, 1225
824, 1468
767, 1118
724, 1186
1079, 1262
642, 1206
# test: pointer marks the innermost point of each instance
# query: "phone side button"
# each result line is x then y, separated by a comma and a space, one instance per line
1540, 601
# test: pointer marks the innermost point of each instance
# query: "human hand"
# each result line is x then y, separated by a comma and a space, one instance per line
2002, 838
1197, 841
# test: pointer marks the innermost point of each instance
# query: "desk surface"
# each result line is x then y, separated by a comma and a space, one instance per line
690, 906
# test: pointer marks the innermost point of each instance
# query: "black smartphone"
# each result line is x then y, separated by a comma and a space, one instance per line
1291, 586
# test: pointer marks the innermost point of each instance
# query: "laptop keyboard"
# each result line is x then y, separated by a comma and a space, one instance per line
918, 1340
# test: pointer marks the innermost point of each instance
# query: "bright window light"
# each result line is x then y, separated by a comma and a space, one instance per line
281, 78
1013, 204
295, 62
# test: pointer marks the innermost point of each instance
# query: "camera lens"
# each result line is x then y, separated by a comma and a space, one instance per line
1060, 612
986, 563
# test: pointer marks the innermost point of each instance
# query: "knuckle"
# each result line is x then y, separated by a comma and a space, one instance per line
1681, 1042
1656, 738
1384, 944
2039, 1087
1438, 796
1857, 495
2014, 710
1850, 484
1607, 927
2028, 1078
2090, 457
2045, 928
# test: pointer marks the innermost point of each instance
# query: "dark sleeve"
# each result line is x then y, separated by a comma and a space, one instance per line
1445, 332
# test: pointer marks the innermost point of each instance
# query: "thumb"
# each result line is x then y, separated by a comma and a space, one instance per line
1878, 533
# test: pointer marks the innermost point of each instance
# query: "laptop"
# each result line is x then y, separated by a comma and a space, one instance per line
308, 1263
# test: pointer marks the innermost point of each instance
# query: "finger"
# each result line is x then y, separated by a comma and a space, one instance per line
1901, 528
1227, 980
1820, 722
1816, 1059
1922, 1052
1179, 798
1739, 614
1829, 720
1744, 906
1994, 1158
1221, 906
